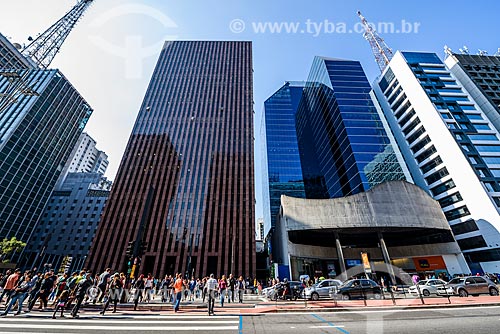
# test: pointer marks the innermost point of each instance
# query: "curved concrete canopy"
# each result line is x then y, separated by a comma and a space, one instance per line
393, 204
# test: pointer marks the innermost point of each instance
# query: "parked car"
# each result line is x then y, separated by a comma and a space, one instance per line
359, 288
271, 292
323, 289
464, 286
427, 287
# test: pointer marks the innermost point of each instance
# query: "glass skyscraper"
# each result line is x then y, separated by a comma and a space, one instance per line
344, 147
37, 134
185, 186
280, 150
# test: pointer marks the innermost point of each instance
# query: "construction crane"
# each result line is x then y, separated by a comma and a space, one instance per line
383, 54
42, 51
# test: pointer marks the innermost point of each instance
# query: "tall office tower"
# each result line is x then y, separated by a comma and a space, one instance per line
344, 147
451, 148
11, 58
480, 76
85, 158
281, 159
185, 186
69, 222
37, 134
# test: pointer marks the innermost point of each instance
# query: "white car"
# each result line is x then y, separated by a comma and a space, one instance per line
324, 289
427, 287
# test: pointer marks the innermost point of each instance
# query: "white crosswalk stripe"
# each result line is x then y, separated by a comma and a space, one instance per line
92, 324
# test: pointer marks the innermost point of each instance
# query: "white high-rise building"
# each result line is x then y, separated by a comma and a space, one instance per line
85, 158
451, 148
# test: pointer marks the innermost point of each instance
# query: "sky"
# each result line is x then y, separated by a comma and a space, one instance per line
110, 55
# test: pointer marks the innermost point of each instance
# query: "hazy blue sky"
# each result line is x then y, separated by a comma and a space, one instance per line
112, 52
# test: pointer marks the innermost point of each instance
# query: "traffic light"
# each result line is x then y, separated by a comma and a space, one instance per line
130, 249
144, 248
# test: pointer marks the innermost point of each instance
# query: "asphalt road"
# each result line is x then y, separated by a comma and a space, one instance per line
440, 320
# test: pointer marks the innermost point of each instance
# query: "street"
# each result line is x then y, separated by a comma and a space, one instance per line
478, 319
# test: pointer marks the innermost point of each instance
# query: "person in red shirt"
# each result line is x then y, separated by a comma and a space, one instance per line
222, 289
10, 284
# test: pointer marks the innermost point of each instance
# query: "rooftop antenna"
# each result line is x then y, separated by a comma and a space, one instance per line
46, 45
497, 54
464, 50
42, 51
447, 50
383, 54
482, 52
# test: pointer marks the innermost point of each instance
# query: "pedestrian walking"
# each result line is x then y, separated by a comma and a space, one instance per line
240, 286
232, 285
114, 291
222, 289
10, 284
102, 282
178, 286
211, 287
61, 302
19, 293
80, 292
139, 288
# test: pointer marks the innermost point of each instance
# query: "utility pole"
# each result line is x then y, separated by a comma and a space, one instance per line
383, 54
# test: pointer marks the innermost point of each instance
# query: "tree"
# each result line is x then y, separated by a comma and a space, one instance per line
8, 247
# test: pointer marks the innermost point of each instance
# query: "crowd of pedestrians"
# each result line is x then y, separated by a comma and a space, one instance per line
63, 291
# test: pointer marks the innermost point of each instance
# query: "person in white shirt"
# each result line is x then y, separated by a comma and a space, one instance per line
212, 286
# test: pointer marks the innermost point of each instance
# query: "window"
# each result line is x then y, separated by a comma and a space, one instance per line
471, 243
492, 160
449, 200
483, 137
424, 155
482, 127
437, 175
488, 148
465, 227
431, 164
442, 188
457, 213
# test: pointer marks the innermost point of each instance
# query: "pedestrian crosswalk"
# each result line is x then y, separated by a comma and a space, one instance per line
97, 324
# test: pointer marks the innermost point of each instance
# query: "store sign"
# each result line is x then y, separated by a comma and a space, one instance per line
366, 262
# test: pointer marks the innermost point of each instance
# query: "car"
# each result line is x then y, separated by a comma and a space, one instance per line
271, 291
465, 286
427, 287
323, 289
359, 288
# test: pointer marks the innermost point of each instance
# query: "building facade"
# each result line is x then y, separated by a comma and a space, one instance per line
185, 186
344, 147
480, 76
85, 158
326, 237
69, 222
451, 148
283, 171
37, 134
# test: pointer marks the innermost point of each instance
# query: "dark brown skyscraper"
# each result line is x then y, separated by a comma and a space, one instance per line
185, 186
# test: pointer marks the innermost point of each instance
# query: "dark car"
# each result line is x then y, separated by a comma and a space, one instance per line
359, 288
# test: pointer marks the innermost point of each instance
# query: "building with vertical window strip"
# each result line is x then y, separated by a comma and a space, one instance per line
37, 134
69, 222
451, 148
185, 186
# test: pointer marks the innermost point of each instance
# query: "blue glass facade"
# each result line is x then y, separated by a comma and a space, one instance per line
284, 171
343, 145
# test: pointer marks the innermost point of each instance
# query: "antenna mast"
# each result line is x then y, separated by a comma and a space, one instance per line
383, 54
44, 48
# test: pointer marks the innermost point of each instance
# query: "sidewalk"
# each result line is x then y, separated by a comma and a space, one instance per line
257, 305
